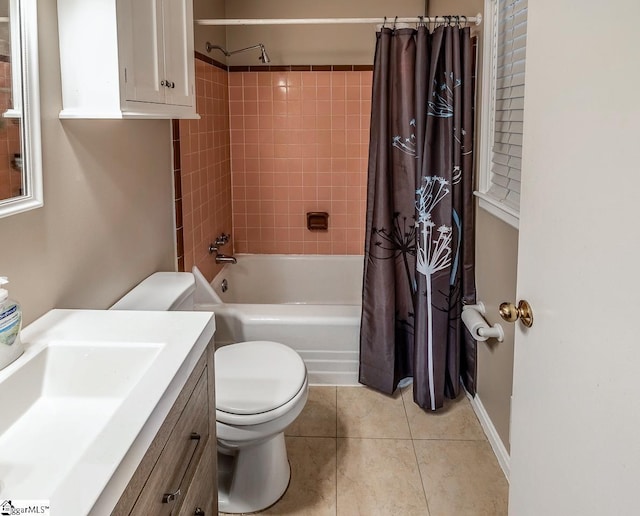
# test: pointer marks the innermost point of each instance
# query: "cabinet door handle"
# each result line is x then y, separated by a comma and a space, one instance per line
170, 497
172, 84
198, 512
163, 83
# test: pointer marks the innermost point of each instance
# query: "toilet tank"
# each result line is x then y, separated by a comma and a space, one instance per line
162, 291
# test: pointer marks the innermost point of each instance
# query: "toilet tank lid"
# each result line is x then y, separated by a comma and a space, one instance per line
160, 291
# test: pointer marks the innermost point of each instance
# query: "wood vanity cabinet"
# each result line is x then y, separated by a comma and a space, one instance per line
127, 58
177, 475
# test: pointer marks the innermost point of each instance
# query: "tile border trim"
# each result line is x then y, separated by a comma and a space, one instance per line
211, 61
302, 68
177, 194
284, 68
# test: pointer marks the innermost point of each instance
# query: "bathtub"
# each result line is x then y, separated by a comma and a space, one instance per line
311, 303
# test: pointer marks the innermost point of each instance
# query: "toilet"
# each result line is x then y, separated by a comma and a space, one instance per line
261, 388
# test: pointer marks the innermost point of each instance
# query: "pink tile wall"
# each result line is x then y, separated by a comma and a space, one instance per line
299, 143
205, 170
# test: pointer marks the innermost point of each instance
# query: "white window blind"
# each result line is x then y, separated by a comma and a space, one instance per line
506, 155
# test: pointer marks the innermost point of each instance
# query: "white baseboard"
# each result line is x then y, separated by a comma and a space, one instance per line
492, 435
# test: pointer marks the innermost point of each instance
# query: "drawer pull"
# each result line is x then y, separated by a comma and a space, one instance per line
170, 497
198, 512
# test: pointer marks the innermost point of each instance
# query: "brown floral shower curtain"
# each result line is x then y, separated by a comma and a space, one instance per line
419, 247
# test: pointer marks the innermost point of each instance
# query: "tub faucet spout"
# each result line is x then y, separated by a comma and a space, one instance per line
223, 258
221, 240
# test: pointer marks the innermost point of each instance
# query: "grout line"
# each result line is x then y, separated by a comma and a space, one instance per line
415, 455
376, 438
336, 448
404, 406
336, 412
449, 439
424, 491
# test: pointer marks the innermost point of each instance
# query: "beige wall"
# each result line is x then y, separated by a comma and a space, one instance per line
496, 266
311, 44
445, 7
107, 221
206, 10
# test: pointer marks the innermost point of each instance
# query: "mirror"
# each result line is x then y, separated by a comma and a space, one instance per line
20, 158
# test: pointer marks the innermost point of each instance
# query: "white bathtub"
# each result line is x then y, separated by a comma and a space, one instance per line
311, 303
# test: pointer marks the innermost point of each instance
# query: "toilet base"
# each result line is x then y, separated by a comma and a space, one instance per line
253, 478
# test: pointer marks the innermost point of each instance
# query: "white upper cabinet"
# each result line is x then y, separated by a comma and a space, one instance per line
127, 58
178, 42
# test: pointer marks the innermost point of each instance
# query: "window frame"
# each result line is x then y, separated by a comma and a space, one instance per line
488, 116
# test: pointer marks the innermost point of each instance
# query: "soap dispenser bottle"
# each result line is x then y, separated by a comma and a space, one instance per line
11, 346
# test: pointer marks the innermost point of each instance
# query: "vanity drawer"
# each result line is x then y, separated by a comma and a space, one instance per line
170, 477
202, 491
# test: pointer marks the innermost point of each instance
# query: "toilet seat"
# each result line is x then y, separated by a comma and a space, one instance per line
256, 381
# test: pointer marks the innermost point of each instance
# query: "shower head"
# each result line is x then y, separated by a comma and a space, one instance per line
264, 57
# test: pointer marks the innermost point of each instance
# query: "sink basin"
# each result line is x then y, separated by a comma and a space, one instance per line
73, 373
73, 388
80, 399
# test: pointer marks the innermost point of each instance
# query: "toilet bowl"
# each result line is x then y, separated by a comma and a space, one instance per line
261, 388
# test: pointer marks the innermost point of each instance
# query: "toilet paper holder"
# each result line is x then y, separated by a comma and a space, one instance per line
473, 319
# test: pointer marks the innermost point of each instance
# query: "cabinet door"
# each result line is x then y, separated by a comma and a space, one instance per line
178, 51
142, 46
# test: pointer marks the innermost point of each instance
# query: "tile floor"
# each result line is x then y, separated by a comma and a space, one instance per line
354, 451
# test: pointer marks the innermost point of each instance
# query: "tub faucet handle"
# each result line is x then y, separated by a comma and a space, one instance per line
221, 240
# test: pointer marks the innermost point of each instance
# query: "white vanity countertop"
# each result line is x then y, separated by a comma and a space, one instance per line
83, 403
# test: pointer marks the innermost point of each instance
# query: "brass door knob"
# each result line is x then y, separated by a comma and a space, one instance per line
511, 313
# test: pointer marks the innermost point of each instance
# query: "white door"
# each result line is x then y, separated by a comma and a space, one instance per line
575, 442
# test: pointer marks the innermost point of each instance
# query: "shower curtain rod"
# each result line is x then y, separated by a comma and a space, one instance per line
477, 19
